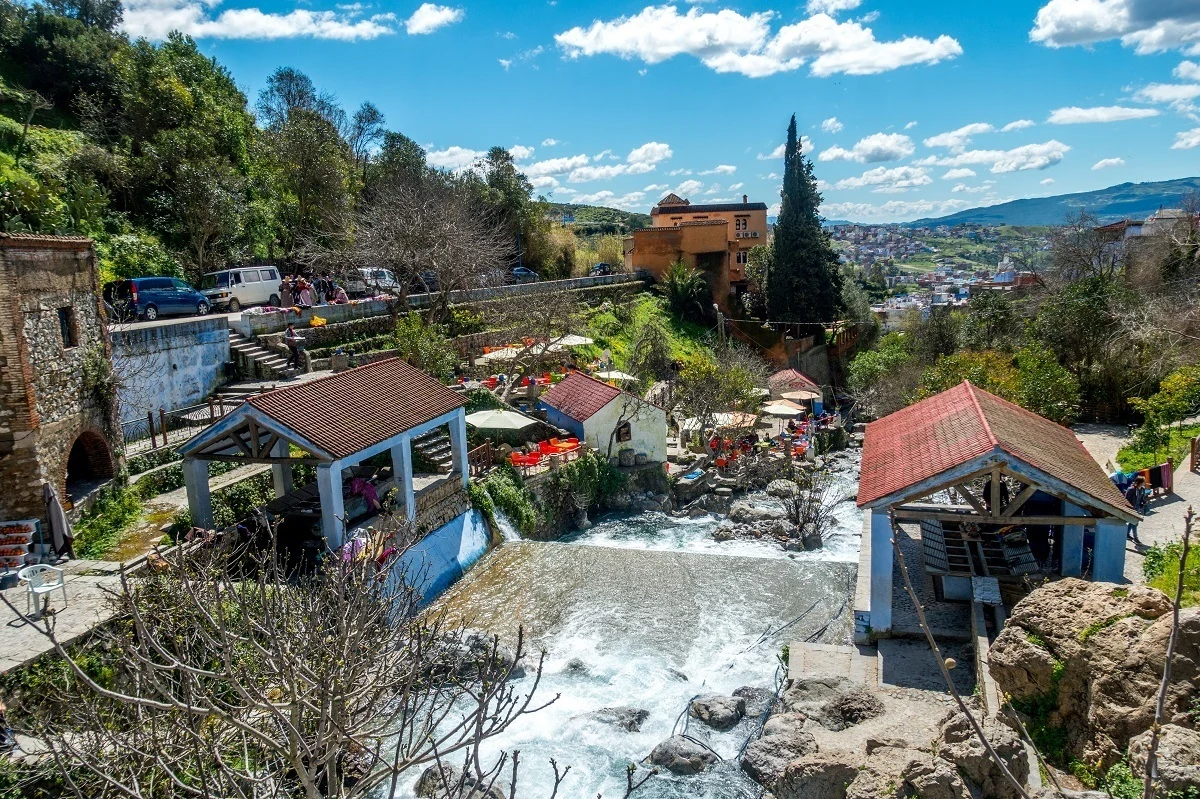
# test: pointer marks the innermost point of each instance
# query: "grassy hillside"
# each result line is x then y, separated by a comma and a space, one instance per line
593, 219
1126, 201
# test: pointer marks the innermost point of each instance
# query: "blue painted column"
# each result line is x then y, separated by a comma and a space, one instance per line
281, 473
881, 571
333, 511
458, 445
402, 472
1108, 565
1072, 543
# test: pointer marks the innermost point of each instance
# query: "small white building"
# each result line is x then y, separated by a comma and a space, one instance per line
600, 414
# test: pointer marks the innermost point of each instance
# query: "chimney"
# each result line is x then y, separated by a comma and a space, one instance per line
745, 199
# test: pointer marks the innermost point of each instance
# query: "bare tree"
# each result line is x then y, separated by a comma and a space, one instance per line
239, 675
1079, 249
810, 504
731, 382
535, 323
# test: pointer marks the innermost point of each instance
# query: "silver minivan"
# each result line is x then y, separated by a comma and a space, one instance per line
233, 289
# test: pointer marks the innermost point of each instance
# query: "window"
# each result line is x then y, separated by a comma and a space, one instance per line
742, 256
235, 278
66, 326
180, 285
624, 432
251, 276
268, 274
158, 284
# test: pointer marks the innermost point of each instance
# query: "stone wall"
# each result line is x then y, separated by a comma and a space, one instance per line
171, 365
51, 329
440, 504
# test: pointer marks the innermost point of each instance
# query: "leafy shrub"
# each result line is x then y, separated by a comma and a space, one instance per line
1161, 569
100, 529
425, 346
510, 496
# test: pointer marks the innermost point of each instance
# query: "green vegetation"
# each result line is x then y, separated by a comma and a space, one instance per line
687, 292
116, 510
1036, 640
1161, 570
510, 496
426, 346
616, 327
1096, 626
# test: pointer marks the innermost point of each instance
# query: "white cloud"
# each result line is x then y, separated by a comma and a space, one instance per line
1106, 163
656, 187
736, 186
689, 187
958, 139
831, 6
1074, 115
1028, 156
774, 154
633, 199
728, 41
901, 178
1187, 139
505, 62
1175, 93
649, 153
639, 161
1018, 124
871, 149
429, 17
891, 211
1188, 70
154, 19
600, 156
1046, 181
832, 125
911, 125
549, 142
555, 166
454, 158
720, 169
606, 172
713, 189
962, 187
1148, 26
544, 182
520, 152
959, 173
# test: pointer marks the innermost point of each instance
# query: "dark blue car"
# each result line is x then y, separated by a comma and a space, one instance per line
150, 297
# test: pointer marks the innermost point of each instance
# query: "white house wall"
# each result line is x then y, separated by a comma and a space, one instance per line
649, 430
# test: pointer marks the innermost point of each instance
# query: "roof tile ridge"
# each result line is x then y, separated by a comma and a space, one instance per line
982, 416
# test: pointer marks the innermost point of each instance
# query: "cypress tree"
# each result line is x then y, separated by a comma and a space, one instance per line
804, 284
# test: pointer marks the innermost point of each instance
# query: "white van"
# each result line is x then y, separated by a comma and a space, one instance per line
232, 289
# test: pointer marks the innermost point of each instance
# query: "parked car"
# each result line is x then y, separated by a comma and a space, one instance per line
371, 280
232, 289
150, 297
600, 269
522, 274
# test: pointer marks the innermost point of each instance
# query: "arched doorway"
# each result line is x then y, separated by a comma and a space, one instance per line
89, 464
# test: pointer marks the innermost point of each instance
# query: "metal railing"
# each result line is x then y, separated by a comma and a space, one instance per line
161, 428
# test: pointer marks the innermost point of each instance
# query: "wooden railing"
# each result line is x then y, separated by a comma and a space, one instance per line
479, 460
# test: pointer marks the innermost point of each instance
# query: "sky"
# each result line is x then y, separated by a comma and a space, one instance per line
908, 109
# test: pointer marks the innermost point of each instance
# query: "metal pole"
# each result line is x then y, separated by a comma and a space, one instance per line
162, 415
150, 420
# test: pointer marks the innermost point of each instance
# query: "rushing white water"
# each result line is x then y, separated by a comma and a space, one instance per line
508, 530
626, 611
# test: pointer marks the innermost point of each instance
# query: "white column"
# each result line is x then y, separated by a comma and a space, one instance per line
1108, 559
1072, 543
403, 474
281, 473
458, 445
333, 512
195, 479
881, 571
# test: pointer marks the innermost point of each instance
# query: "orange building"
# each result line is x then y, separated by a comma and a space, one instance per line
715, 239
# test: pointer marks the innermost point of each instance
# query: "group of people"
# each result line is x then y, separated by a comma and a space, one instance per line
297, 290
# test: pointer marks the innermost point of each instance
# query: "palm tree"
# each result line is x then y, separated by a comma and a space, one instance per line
686, 290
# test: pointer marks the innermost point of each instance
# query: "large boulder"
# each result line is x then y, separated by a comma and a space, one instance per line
833, 702
849, 708
1094, 654
718, 712
784, 724
1177, 759
627, 718
758, 700
815, 776
680, 755
958, 744
782, 488
448, 782
934, 778
765, 759
746, 511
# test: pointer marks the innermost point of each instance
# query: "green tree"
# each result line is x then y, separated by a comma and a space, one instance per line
426, 346
804, 284
758, 266
991, 322
1045, 387
936, 335
650, 353
687, 292
1177, 398
990, 370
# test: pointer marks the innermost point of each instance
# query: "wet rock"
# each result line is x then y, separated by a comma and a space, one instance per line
627, 718
677, 674
681, 755
958, 744
784, 724
758, 700
765, 759
577, 667
1178, 758
448, 782
809, 694
724, 534
471, 651
747, 512
718, 712
782, 488
850, 708
811, 541
815, 776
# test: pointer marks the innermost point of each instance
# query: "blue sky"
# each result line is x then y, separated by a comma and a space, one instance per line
909, 109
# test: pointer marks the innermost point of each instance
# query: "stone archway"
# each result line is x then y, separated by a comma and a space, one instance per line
89, 464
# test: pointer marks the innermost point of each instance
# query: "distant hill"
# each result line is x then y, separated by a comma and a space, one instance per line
591, 219
1126, 201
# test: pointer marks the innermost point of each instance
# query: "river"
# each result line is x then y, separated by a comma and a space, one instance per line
643, 602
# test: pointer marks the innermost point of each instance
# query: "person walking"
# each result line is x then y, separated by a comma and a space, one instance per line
306, 294
292, 339
1135, 495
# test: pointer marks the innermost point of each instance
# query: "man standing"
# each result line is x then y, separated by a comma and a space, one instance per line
1135, 495
292, 339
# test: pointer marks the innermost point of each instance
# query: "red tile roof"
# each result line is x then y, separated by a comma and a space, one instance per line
950, 429
347, 412
788, 379
580, 396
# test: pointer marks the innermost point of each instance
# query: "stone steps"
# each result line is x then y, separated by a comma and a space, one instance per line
257, 361
859, 664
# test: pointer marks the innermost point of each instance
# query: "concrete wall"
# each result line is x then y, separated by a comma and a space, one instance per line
437, 561
648, 428
170, 365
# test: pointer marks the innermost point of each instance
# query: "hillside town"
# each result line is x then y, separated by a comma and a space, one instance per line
336, 469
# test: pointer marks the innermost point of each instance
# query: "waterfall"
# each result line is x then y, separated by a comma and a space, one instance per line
508, 531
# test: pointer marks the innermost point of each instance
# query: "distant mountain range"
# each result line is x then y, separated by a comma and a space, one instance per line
1126, 201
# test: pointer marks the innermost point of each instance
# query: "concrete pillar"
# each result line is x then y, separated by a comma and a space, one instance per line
1072, 543
458, 446
195, 480
403, 474
333, 511
1108, 561
881, 571
281, 473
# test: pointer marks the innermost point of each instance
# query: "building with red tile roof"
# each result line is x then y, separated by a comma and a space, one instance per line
606, 417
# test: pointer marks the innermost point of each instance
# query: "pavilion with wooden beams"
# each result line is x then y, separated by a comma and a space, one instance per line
992, 458
335, 423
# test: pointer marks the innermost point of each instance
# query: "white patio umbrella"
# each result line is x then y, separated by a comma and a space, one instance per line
616, 374
499, 420
782, 408
802, 394
571, 340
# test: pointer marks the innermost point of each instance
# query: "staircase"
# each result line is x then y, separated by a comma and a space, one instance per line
434, 447
256, 361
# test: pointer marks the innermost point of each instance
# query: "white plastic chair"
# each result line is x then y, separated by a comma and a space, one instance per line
37, 584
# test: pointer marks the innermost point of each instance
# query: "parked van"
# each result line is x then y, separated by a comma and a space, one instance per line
151, 297
232, 289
